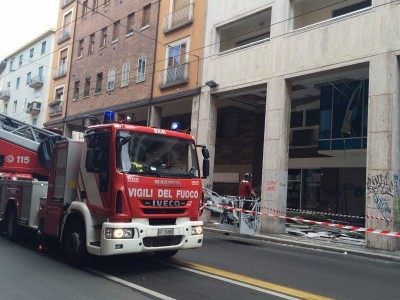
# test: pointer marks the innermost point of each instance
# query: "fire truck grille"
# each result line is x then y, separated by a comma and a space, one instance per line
161, 241
163, 211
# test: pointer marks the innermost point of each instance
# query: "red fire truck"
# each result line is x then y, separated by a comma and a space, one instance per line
124, 189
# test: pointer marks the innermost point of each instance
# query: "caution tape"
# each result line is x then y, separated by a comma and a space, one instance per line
340, 226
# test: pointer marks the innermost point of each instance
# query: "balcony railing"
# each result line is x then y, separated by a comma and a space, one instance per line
178, 18
174, 76
60, 71
65, 3
33, 107
55, 106
36, 82
65, 34
5, 95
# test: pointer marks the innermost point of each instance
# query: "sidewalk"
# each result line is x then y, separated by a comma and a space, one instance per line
321, 241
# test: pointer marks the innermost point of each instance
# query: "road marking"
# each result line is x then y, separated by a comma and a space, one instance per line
255, 284
130, 284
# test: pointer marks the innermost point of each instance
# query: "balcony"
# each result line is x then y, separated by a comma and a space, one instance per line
174, 76
65, 3
178, 18
5, 95
61, 71
65, 34
33, 107
55, 106
36, 82
311, 13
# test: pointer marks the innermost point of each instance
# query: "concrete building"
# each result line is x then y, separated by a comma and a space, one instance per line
306, 97
59, 84
25, 80
112, 60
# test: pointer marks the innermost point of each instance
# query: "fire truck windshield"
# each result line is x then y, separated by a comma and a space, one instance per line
156, 155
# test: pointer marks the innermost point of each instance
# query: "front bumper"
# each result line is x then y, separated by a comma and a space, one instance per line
148, 238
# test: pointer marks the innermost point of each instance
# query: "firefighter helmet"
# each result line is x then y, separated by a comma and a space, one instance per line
247, 176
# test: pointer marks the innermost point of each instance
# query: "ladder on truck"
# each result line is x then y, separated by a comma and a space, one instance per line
21, 133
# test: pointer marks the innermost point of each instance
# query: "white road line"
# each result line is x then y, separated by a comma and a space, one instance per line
130, 284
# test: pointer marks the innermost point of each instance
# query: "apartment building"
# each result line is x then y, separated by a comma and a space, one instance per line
306, 97
25, 80
112, 60
62, 54
177, 73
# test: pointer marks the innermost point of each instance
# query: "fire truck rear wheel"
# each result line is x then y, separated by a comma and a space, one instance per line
74, 243
11, 223
166, 253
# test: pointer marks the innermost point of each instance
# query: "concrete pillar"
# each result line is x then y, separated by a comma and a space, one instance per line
204, 129
276, 149
383, 153
155, 116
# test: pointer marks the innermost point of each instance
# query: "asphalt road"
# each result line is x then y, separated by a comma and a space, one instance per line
226, 267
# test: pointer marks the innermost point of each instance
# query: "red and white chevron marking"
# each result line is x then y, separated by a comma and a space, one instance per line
341, 226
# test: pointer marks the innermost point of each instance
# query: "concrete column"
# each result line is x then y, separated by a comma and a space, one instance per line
155, 116
383, 153
204, 129
276, 149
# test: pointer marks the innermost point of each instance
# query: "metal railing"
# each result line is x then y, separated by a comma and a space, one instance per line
178, 18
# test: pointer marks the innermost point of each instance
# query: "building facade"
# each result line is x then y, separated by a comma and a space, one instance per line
25, 80
112, 60
59, 84
307, 98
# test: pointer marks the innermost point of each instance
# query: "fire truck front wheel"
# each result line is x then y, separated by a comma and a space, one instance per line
11, 225
74, 243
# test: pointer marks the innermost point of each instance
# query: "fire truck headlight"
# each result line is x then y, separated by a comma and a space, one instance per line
197, 230
118, 233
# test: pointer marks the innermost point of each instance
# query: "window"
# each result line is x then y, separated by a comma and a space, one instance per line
351, 8
11, 69
80, 49
43, 50
15, 106
18, 82
115, 31
8, 86
34, 121
99, 82
129, 23
94, 7
28, 78
126, 68
21, 58
103, 40
86, 91
31, 52
40, 73
91, 43
5, 108
141, 70
25, 103
84, 9
146, 16
76, 90
111, 79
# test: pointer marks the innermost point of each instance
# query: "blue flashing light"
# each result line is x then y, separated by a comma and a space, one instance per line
108, 117
176, 126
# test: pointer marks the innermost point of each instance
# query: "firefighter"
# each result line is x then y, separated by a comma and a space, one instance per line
246, 191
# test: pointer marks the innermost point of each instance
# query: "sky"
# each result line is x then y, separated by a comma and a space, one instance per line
23, 20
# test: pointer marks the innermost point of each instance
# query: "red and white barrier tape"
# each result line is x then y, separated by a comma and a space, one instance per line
340, 226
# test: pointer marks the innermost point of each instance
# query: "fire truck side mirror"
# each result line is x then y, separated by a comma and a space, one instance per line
90, 164
205, 152
206, 168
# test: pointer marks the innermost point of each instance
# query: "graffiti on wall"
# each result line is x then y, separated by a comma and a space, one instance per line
381, 186
396, 197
